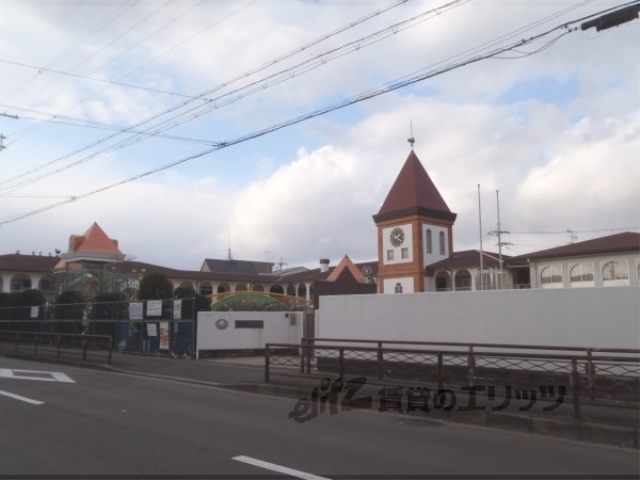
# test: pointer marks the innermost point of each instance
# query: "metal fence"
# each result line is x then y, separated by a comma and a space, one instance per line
594, 376
148, 327
87, 347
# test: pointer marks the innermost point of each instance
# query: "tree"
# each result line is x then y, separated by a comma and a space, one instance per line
202, 302
155, 286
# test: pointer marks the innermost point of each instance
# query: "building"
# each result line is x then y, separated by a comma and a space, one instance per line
415, 254
415, 250
95, 264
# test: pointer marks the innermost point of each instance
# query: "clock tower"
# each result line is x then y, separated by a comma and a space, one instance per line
414, 231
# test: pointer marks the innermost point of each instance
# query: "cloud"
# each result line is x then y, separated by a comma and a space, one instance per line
555, 132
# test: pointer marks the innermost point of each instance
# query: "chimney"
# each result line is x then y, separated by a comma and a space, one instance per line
324, 265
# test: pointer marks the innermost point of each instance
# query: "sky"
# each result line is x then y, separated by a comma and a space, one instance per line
183, 94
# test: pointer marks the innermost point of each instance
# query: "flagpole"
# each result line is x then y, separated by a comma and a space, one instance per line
480, 222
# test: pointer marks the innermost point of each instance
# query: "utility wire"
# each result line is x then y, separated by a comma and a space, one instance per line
356, 99
246, 74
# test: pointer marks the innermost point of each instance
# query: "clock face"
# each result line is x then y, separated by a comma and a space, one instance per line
396, 237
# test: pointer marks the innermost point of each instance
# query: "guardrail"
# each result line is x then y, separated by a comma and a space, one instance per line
597, 379
58, 344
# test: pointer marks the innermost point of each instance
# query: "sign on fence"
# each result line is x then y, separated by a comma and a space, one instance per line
152, 329
135, 311
177, 309
34, 311
154, 308
164, 335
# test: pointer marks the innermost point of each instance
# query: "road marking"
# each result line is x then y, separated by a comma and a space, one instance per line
277, 468
18, 397
35, 375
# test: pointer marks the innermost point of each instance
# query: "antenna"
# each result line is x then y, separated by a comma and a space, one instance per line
411, 140
573, 235
229, 256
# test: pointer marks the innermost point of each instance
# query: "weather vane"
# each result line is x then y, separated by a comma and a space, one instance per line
411, 140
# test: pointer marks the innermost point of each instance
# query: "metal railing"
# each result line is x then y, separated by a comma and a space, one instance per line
610, 380
56, 344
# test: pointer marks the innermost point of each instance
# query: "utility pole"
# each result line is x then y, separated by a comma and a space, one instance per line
499, 233
573, 235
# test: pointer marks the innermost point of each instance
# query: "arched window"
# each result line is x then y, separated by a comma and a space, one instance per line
551, 275
241, 287
582, 272
443, 282
615, 270
257, 288
429, 244
277, 289
462, 280
205, 288
223, 288
441, 243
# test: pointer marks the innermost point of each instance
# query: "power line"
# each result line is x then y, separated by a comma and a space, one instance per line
247, 74
356, 99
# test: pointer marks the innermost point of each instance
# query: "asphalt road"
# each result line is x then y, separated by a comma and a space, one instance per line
105, 423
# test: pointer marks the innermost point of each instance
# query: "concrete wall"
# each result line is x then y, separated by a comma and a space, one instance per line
277, 328
585, 317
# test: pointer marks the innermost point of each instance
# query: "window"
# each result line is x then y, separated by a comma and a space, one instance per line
615, 270
463, 280
551, 274
206, 289
443, 282
429, 245
441, 243
582, 272
389, 254
404, 253
484, 280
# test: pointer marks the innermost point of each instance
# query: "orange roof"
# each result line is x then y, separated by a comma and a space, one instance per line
348, 264
96, 241
412, 191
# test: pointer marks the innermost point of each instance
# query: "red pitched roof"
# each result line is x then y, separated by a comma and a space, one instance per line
346, 263
96, 241
413, 188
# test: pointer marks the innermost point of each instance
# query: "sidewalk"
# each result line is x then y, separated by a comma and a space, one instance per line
612, 426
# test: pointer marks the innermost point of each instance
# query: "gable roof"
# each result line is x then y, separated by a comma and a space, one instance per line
413, 192
618, 243
346, 264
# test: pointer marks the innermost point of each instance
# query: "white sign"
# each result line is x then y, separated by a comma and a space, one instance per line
177, 309
152, 329
34, 312
154, 308
135, 311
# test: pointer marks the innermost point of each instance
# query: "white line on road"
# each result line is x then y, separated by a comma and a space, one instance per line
278, 468
43, 376
18, 397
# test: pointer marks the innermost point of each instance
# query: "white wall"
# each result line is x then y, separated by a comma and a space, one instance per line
277, 329
593, 317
